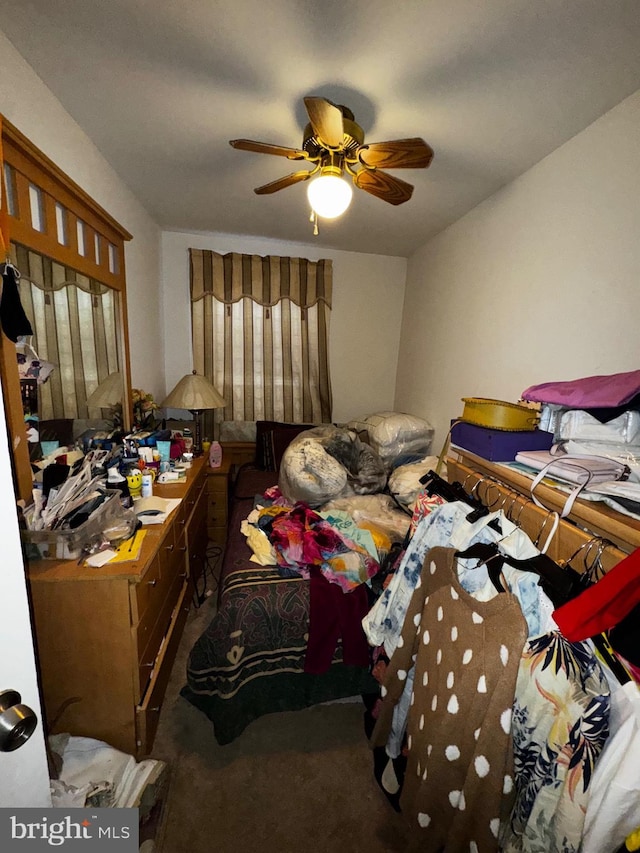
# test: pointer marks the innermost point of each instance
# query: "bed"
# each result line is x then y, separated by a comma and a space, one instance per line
278, 641
252, 659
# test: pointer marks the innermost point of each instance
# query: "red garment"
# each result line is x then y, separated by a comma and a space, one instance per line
334, 614
601, 606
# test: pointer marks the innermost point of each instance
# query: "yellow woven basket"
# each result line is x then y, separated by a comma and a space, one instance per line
497, 414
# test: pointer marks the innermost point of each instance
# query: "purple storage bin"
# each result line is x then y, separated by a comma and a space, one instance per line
497, 445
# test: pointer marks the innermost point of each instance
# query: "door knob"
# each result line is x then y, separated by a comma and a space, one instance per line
17, 721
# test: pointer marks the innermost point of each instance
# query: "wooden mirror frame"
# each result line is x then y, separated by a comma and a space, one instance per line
103, 260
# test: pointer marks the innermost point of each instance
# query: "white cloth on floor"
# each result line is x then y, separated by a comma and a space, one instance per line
91, 767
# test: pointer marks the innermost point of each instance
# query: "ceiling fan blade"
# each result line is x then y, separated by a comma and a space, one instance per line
283, 183
398, 154
326, 121
267, 148
381, 185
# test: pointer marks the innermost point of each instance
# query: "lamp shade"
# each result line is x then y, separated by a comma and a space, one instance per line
329, 194
108, 393
195, 393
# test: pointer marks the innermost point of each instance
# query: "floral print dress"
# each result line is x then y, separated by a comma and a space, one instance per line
560, 725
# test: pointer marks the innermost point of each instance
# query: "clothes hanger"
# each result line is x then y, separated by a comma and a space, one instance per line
623, 637
488, 555
434, 484
558, 583
555, 517
7, 266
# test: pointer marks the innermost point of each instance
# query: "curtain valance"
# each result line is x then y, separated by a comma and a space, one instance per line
49, 275
265, 280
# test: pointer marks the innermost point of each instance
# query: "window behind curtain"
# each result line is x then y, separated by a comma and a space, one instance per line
260, 329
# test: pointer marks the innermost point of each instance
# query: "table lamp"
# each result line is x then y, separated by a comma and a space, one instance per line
108, 395
195, 393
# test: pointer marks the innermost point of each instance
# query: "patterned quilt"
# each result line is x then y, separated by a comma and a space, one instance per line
250, 659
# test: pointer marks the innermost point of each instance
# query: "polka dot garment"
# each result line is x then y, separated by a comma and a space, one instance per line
458, 783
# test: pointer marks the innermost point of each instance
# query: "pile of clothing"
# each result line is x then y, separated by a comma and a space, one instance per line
597, 416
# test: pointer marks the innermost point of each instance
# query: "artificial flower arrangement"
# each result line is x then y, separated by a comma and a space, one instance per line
144, 409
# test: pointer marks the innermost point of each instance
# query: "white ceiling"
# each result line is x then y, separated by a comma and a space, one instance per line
160, 86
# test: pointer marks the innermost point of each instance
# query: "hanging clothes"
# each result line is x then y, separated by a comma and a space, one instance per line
560, 725
458, 785
13, 319
561, 705
604, 604
448, 526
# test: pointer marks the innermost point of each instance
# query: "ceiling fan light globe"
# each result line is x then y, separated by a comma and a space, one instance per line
329, 196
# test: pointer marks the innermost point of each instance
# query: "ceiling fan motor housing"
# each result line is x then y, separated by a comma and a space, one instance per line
352, 140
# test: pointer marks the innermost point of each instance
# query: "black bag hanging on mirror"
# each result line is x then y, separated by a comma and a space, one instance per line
12, 317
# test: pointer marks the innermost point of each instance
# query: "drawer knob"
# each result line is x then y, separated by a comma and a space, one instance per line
153, 582
170, 547
155, 710
148, 665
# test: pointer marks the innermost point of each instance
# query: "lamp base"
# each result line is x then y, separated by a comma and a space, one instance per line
197, 436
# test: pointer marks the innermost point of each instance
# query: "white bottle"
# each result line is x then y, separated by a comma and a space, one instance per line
147, 485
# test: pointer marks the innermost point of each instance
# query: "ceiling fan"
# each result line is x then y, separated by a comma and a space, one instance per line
333, 143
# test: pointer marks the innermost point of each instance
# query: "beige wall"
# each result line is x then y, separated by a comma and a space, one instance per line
541, 282
33, 109
368, 292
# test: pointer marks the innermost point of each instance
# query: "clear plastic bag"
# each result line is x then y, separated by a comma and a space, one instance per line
328, 462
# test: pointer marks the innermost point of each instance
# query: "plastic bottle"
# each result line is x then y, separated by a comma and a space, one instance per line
147, 485
215, 454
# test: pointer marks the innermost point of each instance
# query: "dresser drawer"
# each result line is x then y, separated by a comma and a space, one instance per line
146, 591
217, 510
148, 711
149, 635
217, 535
217, 485
194, 495
172, 571
150, 591
200, 513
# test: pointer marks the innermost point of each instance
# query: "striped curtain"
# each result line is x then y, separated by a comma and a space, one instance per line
260, 329
74, 321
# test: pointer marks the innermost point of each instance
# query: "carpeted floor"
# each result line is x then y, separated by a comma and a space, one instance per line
298, 782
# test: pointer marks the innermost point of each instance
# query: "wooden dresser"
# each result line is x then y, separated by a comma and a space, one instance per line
108, 637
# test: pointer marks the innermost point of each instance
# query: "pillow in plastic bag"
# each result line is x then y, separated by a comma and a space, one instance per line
395, 434
404, 481
327, 462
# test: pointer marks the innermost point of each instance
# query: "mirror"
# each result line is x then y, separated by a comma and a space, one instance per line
72, 368
76, 249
